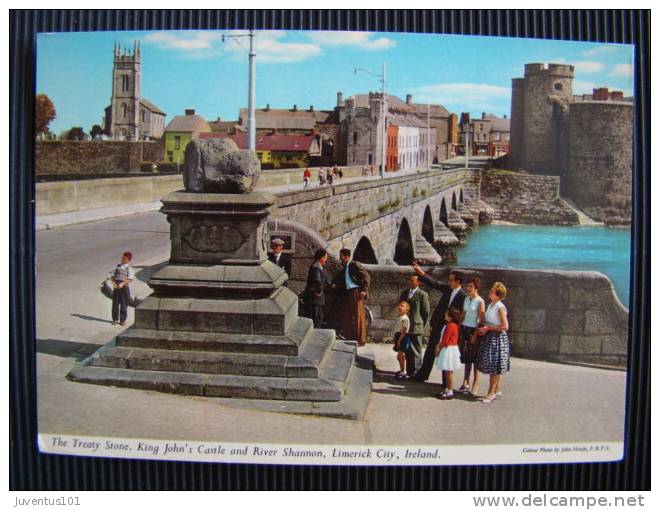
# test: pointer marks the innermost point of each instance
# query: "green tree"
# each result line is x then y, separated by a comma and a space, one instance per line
76, 133
96, 131
44, 113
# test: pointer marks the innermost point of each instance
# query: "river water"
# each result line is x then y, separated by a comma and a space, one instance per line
602, 249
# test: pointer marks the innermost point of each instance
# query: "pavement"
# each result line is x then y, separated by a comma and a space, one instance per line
541, 402
52, 221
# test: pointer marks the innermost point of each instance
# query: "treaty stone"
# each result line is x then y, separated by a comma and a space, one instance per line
219, 166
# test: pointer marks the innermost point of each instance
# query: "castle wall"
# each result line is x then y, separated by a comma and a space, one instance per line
517, 125
527, 199
599, 170
544, 87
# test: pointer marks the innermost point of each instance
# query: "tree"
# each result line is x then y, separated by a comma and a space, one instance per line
76, 133
44, 113
96, 132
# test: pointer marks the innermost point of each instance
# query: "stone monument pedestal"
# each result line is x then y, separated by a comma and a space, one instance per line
220, 323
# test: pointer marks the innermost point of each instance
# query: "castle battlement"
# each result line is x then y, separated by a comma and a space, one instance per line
555, 70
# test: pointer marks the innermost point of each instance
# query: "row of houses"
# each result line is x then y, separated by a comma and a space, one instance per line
352, 133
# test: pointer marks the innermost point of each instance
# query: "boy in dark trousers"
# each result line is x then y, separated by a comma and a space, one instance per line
122, 277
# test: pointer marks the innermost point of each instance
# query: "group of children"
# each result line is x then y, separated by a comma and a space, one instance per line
474, 336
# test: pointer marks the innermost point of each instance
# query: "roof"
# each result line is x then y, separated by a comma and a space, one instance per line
150, 106
407, 120
498, 123
436, 110
222, 125
281, 119
188, 124
394, 103
282, 143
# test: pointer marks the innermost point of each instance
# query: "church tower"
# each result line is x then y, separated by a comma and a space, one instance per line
125, 106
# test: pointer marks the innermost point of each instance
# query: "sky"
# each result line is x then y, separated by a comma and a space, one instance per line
196, 69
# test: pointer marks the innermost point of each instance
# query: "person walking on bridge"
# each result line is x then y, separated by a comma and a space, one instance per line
352, 283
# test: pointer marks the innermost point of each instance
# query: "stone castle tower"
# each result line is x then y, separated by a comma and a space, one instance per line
125, 107
537, 101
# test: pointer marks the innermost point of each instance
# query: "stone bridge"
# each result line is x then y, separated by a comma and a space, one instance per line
391, 221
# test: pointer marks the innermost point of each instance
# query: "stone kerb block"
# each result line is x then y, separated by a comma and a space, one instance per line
219, 166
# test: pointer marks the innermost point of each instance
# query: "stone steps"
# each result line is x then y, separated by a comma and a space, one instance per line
286, 345
307, 364
331, 384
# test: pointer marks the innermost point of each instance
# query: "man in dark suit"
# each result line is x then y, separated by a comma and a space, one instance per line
418, 314
314, 293
352, 284
278, 258
452, 296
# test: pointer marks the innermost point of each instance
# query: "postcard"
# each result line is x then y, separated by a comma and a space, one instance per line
337, 248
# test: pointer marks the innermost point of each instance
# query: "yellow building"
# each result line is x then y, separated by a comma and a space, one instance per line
181, 130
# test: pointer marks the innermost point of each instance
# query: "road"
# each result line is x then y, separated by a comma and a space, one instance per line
542, 402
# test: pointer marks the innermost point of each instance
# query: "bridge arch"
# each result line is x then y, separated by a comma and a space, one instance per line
461, 199
427, 225
404, 252
453, 201
443, 212
364, 252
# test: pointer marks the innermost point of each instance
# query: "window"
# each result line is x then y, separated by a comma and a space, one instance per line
355, 137
124, 82
170, 156
370, 159
177, 142
124, 110
559, 86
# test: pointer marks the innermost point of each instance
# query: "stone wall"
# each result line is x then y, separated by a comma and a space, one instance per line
524, 198
69, 196
561, 316
94, 157
600, 159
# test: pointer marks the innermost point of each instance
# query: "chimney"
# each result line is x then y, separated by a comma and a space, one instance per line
408, 99
295, 107
340, 99
190, 111
267, 109
311, 107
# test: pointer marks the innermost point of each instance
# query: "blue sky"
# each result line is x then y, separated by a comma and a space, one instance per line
195, 69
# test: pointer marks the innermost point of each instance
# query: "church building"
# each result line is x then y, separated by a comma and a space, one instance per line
129, 116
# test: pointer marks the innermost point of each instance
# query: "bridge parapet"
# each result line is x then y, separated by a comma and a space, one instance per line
558, 316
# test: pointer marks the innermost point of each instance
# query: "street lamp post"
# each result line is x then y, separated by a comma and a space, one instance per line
467, 128
428, 137
252, 73
383, 113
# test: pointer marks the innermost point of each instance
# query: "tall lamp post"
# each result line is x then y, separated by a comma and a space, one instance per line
252, 73
466, 129
383, 113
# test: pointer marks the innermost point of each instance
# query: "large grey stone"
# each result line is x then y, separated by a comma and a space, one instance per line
219, 166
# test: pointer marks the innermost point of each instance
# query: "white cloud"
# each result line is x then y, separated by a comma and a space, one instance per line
269, 45
478, 94
599, 50
588, 66
360, 40
626, 70
583, 87
183, 41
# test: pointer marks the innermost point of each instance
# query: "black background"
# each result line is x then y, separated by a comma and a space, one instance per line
31, 470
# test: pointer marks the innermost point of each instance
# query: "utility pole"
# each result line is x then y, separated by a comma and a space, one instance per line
428, 137
252, 74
